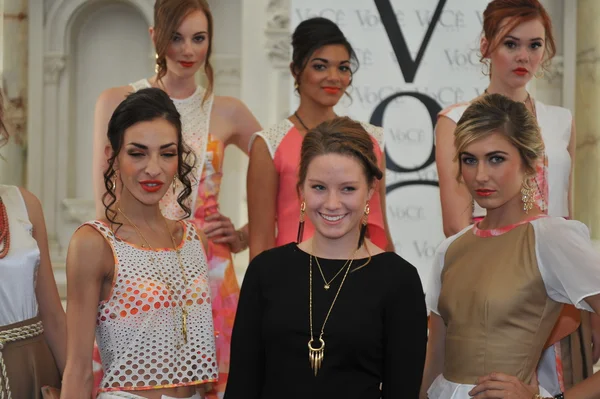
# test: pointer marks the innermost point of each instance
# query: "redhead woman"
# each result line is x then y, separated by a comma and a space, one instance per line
516, 46
183, 36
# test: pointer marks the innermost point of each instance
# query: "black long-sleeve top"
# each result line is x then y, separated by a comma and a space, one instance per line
376, 333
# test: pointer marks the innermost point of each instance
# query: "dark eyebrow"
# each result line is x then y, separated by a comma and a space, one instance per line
531, 40
327, 61
197, 33
144, 147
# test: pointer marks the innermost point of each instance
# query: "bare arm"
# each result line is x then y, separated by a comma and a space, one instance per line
105, 106
50, 308
456, 200
245, 124
261, 184
89, 263
382, 194
434, 360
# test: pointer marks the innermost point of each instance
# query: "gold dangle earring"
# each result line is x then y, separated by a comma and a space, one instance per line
301, 224
487, 65
541, 75
174, 184
114, 182
156, 63
363, 227
527, 196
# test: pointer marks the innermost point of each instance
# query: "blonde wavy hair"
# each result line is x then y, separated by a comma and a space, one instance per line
495, 113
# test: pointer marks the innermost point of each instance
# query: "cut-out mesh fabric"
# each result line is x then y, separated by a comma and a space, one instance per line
139, 328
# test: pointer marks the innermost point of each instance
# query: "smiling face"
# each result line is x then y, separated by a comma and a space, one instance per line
188, 46
326, 76
519, 53
335, 191
148, 161
493, 171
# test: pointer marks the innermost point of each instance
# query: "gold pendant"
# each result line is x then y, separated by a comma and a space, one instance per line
326, 286
315, 356
184, 315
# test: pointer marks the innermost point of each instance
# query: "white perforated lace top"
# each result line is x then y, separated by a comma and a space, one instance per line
139, 328
195, 119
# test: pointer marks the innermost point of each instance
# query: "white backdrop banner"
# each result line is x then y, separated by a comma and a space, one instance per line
416, 58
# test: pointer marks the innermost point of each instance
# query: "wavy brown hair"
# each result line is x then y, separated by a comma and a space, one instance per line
496, 113
141, 106
168, 15
342, 136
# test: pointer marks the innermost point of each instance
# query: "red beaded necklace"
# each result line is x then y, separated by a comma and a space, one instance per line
4, 231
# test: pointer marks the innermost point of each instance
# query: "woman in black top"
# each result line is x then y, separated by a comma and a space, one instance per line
365, 307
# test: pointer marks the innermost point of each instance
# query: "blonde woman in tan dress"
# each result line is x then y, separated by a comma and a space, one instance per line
498, 286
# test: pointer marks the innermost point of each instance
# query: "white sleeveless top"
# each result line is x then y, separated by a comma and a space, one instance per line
555, 125
18, 269
274, 135
195, 122
139, 328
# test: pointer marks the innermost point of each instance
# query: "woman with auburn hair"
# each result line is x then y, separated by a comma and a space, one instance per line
490, 314
138, 281
517, 45
344, 319
183, 35
323, 63
32, 320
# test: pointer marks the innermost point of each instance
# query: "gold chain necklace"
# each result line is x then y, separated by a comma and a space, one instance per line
182, 305
328, 283
316, 355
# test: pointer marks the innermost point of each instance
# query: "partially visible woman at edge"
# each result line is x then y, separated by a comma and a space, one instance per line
137, 281
323, 63
344, 319
490, 314
32, 320
183, 36
516, 45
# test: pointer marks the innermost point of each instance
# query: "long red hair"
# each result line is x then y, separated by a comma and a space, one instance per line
502, 16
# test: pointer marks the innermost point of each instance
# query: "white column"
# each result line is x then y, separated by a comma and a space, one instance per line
587, 190
14, 80
54, 64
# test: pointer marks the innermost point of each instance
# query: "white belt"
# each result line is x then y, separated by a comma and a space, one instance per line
14, 335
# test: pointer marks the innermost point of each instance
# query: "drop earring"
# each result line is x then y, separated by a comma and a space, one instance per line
156, 63
527, 196
301, 224
174, 184
363, 227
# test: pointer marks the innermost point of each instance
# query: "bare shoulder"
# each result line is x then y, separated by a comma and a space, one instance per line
88, 240
109, 99
445, 123
228, 106
89, 250
33, 205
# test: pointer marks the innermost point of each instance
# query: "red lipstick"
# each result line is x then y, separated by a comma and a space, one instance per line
331, 89
151, 186
187, 64
521, 71
485, 192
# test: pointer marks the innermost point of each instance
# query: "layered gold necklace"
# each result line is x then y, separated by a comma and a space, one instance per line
172, 291
316, 355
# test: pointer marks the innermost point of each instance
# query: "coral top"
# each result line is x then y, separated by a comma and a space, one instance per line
285, 142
